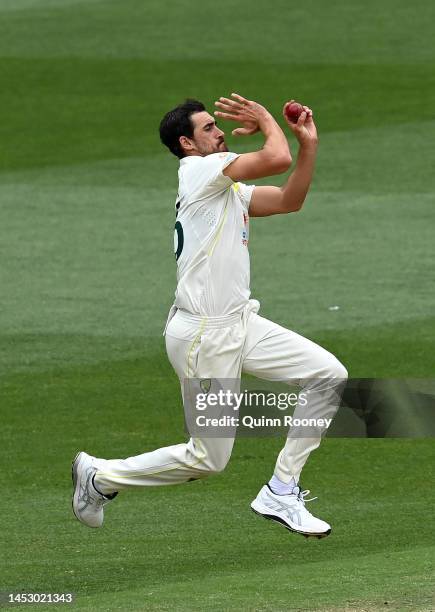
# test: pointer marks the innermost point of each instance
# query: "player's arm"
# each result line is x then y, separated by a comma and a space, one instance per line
290, 197
273, 158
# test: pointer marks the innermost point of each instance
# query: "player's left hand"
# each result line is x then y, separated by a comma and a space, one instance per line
305, 129
237, 110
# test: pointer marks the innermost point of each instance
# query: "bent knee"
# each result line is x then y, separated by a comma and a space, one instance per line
216, 467
337, 370
208, 466
330, 367
211, 458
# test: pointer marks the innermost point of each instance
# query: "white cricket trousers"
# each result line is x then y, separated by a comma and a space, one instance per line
221, 348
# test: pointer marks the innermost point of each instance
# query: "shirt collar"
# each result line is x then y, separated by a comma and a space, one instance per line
188, 159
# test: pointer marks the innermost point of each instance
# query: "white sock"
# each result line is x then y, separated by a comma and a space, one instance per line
281, 488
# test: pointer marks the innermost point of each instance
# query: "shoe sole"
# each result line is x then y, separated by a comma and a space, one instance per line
75, 478
280, 521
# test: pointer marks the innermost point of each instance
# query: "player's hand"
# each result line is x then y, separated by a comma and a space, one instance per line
305, 129
246, 112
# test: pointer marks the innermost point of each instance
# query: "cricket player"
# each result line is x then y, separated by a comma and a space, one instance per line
214, 330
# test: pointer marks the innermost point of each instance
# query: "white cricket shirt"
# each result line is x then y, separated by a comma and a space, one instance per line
211, 237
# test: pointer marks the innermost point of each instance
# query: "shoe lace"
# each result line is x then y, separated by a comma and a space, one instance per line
302, 496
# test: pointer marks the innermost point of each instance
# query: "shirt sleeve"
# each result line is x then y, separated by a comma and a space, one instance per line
245, 193
206, 178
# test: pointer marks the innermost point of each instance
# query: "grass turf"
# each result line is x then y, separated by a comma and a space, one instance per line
85, 232
198, 546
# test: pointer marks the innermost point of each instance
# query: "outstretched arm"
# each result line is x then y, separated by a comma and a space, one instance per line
273, 158
290, 197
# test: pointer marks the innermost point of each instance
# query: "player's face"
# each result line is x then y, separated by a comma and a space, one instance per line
207, 137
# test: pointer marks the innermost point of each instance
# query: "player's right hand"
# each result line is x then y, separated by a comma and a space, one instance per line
247, 112
305, 129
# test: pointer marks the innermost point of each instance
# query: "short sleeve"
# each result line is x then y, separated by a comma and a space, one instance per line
245, 193
205, 177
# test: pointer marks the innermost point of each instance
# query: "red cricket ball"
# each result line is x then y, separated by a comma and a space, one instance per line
293, 111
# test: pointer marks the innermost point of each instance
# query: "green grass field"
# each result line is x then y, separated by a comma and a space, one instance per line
86, 215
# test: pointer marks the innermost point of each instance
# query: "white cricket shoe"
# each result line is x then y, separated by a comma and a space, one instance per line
290, 511
87, 502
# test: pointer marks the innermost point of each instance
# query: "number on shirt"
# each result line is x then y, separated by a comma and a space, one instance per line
178, 239
178, 232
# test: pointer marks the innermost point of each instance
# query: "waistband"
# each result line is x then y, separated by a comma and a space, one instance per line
205, 322
208, 322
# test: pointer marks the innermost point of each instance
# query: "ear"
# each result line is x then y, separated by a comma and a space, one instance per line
186, 143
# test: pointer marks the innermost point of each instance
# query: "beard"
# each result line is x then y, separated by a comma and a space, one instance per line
220, 147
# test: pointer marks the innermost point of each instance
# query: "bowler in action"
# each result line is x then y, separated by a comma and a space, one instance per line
214, 329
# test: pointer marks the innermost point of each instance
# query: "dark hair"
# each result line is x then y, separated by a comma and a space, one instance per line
177, 123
